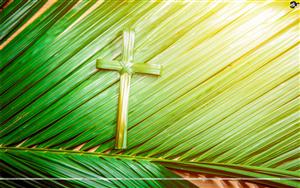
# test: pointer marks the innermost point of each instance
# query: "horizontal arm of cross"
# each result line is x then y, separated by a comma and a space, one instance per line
135, 68
108, 65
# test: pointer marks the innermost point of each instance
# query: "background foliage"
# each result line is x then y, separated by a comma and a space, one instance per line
226, 104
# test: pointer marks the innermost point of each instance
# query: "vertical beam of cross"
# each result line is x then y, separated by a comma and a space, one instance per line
126, 68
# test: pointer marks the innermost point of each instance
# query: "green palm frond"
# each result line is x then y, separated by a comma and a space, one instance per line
16, 15
91, 168
226, 104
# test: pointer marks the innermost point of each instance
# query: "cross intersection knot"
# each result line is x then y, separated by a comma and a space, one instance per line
126, 68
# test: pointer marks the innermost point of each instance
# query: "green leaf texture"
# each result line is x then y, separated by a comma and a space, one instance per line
227, 102
17, 14
76, 165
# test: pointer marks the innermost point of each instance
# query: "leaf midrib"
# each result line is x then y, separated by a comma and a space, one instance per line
129, 157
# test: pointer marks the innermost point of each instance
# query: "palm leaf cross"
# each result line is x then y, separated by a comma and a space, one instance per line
126, 68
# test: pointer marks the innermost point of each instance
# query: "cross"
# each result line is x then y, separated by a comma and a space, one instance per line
126, 68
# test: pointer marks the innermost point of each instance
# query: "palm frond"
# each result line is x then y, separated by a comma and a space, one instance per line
87, 170
226, 103
91, 166
16, 15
